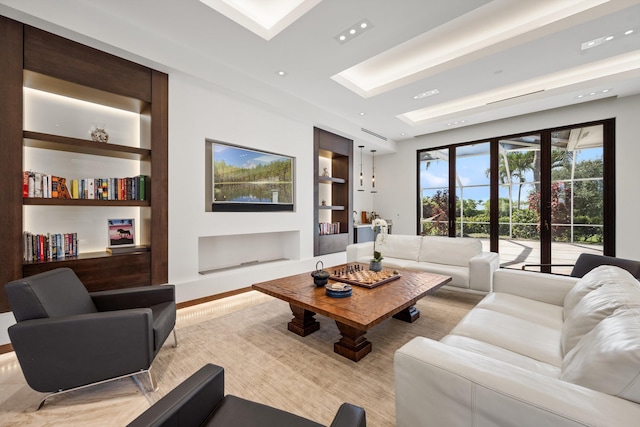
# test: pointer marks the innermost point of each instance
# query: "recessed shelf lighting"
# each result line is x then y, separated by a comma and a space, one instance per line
426, 94
353, 31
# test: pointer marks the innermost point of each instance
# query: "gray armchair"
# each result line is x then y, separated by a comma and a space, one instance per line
66, 338
200, 401
587, 262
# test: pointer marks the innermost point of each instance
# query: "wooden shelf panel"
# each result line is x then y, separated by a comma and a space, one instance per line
330, 180
83, 146
83, 202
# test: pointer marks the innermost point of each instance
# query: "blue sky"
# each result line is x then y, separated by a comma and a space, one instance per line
242, 157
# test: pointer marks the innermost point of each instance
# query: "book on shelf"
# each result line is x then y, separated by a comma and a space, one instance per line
329, 228
40, 185
49, 246
127, 249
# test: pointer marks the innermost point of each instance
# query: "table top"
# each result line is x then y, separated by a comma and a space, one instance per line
366, 307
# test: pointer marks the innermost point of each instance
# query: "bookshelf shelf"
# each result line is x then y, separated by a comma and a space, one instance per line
334, 152
38, 61
31, 201
75, 145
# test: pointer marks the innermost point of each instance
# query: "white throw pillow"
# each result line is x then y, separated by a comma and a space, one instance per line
607, 359
593, 280
596, 306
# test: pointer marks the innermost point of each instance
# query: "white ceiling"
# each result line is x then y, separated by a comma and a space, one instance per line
521, 69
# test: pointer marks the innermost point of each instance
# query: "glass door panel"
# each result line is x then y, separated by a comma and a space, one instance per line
434, 192
519, 201
472, 183
577, 198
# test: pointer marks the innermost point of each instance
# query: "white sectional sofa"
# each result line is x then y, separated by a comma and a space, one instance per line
471, 269
540, 350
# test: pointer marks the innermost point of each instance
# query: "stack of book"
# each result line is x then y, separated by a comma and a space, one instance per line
329, 228
47, 247
40, 185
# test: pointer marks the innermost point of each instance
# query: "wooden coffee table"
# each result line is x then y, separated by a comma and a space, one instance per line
356, 314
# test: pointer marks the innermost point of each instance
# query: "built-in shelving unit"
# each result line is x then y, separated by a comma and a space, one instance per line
58, 69
333, 194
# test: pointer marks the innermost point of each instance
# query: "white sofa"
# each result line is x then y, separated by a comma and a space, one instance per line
540, 350
470, 268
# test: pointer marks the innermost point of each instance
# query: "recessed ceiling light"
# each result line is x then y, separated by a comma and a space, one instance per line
353, 31
594, 93
426, 94
608, 38
281, 73
362, 114
626, 33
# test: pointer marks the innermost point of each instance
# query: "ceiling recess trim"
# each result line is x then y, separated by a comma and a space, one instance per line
482, 29
625, 63
264, 18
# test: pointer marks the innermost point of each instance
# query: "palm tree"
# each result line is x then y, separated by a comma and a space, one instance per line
519, 163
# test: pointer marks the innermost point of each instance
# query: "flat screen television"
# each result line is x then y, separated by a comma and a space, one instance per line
250, 180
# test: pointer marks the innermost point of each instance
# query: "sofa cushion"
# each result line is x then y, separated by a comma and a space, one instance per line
520, 336
502, 354
399, 246
594, 307
389, 262
538, 312
607, 359
447, 250
593, 280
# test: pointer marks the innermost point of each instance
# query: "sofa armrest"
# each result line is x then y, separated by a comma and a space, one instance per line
189, 404
358, 250
350, 416
441, 385
481, 268
138, 297
549, 288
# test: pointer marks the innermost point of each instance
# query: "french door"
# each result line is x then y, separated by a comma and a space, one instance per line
538, 199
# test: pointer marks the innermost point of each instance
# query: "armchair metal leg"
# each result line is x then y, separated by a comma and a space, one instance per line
152, 379
175, 339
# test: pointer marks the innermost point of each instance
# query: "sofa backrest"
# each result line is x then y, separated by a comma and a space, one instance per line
399, 246
54, 293
447, 250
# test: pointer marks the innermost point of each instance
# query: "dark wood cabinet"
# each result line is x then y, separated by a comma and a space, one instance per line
333, 194
39, 60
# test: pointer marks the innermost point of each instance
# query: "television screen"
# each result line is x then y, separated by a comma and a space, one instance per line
248, 180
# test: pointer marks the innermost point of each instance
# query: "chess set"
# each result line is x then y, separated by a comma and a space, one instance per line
359, 275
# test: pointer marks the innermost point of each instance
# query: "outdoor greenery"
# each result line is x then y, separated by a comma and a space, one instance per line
585, 190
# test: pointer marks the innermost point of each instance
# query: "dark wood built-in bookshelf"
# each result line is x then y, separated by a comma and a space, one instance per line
339, 152
40, 60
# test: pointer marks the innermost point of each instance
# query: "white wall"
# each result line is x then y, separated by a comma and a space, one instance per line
397, 181
197, 112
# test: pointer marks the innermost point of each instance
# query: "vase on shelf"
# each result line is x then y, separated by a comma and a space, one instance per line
375, 265
98, 133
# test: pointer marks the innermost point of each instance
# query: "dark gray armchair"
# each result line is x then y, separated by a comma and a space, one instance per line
66, 338
200, 401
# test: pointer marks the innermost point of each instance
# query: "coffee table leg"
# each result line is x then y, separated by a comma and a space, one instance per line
409, 314
303, 322
353, 344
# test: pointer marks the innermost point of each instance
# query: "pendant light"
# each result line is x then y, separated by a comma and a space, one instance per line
361, 175
373, 171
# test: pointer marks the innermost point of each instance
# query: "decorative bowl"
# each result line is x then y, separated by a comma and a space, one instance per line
338, 290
